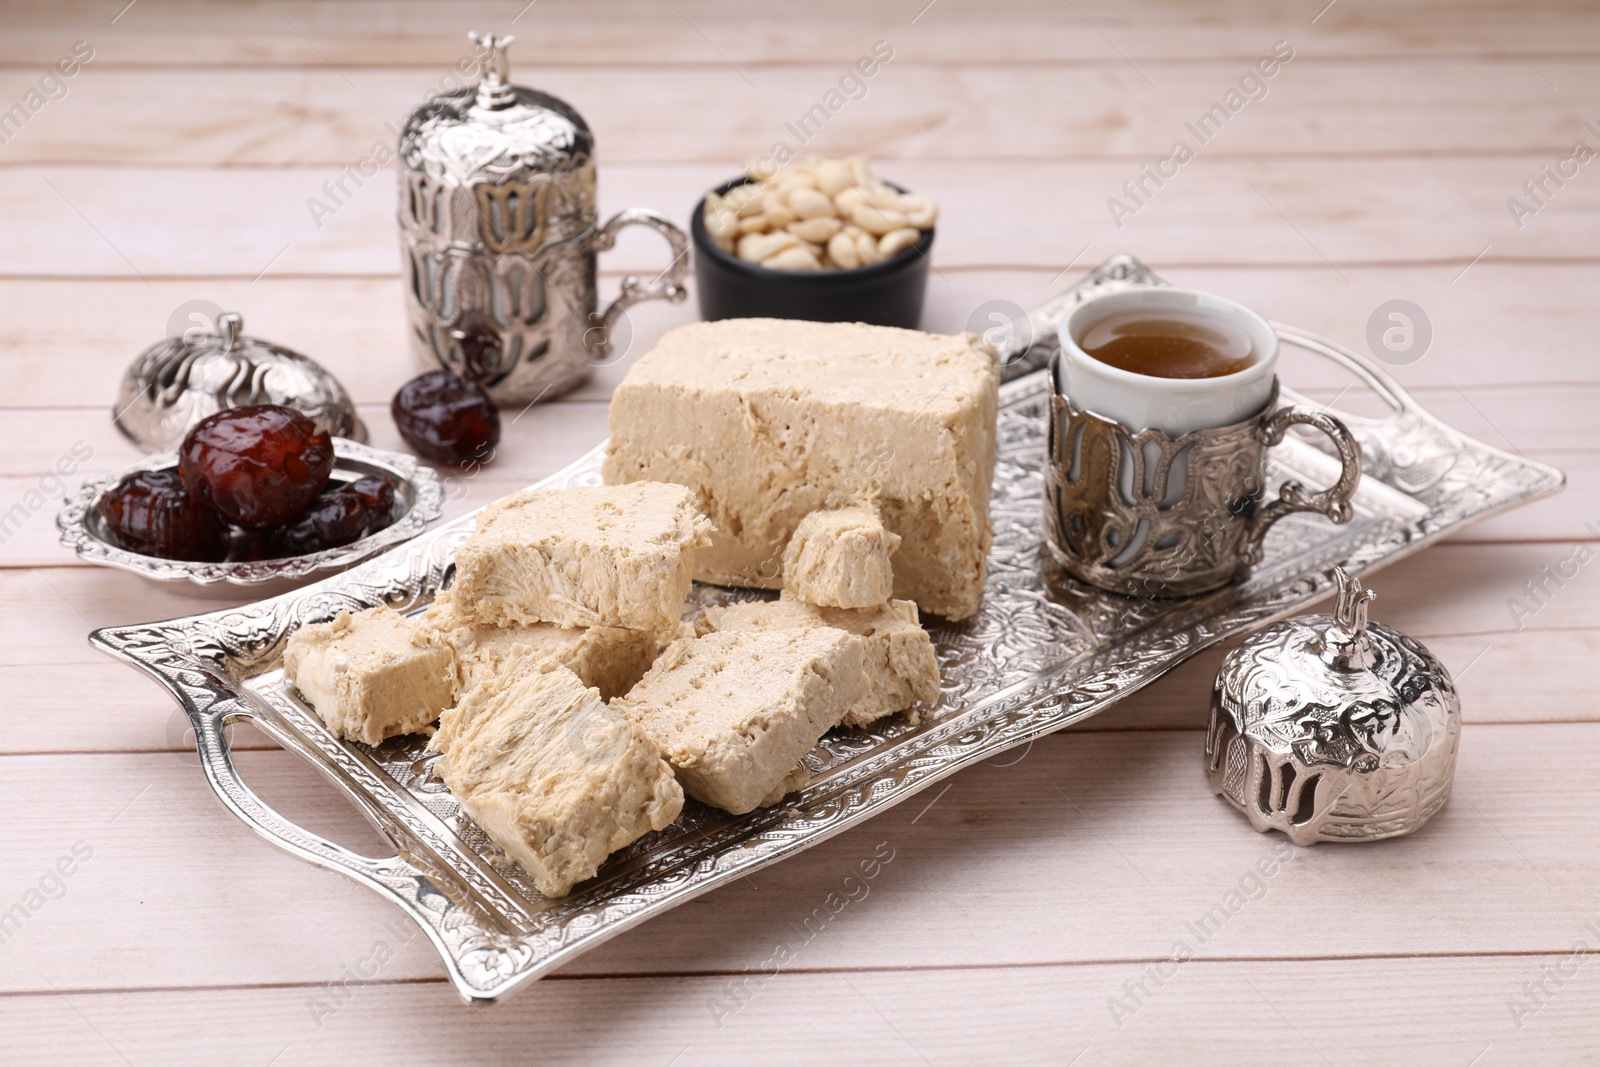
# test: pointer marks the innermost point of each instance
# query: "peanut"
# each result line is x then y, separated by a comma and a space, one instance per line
882, 196
789, 181
817, 230
796, 258
850, 198
867, 250
833, 176
745, 200
722, 224
896, 241
808, 203
919, 211
842, 250
777, 212
875, 220
755, 247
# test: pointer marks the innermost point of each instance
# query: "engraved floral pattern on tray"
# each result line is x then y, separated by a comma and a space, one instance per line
1044, 651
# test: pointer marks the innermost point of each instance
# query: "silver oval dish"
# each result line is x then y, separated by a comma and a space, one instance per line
419, 498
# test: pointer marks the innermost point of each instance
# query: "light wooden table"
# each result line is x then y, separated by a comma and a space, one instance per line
1030, 908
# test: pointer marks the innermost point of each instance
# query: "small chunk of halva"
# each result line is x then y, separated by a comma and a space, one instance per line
371, 675
735, 712
555, 777
586, 556
899, 665
608, 658
840, 559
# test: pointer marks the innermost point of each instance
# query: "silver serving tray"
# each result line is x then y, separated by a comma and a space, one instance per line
419, 499
1043, 652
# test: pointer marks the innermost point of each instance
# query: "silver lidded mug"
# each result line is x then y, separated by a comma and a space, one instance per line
1154, 487
499, 236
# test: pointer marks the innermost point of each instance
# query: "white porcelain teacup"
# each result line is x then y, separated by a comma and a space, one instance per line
1174, 406
1156, 487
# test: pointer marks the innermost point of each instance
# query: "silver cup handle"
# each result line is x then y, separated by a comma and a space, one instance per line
668, 285
1333, 502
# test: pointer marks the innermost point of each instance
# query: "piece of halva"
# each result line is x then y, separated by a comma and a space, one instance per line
794, 780
372, 674
735, 712
899, 666
608, 658
585, 556
555, 777
840, 559
769, 420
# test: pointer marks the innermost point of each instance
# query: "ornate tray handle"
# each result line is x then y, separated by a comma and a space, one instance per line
216, 756
1375, 377
407, 879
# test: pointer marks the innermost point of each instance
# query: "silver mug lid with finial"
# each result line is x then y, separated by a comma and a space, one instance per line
495, 132
180, 380
1334, 727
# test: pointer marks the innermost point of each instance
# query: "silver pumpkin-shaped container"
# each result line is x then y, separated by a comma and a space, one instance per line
499, 234
1334, 728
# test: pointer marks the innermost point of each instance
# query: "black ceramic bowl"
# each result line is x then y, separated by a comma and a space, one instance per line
885, 294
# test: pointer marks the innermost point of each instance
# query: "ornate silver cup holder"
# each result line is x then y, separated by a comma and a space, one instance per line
1044, 651
1144, 514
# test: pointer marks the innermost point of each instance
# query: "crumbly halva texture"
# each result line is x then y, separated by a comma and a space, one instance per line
608, 658
555, 777
769, 420
840, 559
372, 675
795, 779
899, 666
585, 556
735, 712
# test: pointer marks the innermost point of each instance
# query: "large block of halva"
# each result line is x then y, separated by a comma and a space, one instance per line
734, 712
555, 777
769, 420
586, 556
373, 674
899, 668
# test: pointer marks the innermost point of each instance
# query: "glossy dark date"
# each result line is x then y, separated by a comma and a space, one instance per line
377, 492
153, 514
340, 515
256, 466
447, 419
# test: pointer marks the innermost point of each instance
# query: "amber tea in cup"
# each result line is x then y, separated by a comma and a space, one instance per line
1163, 358
1168, 343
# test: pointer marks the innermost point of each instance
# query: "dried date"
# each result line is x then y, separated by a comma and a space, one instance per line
257, 466
447, 419
152, 513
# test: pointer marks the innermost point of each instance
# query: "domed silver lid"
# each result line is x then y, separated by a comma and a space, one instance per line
495, 131
174, 384
1333, 727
